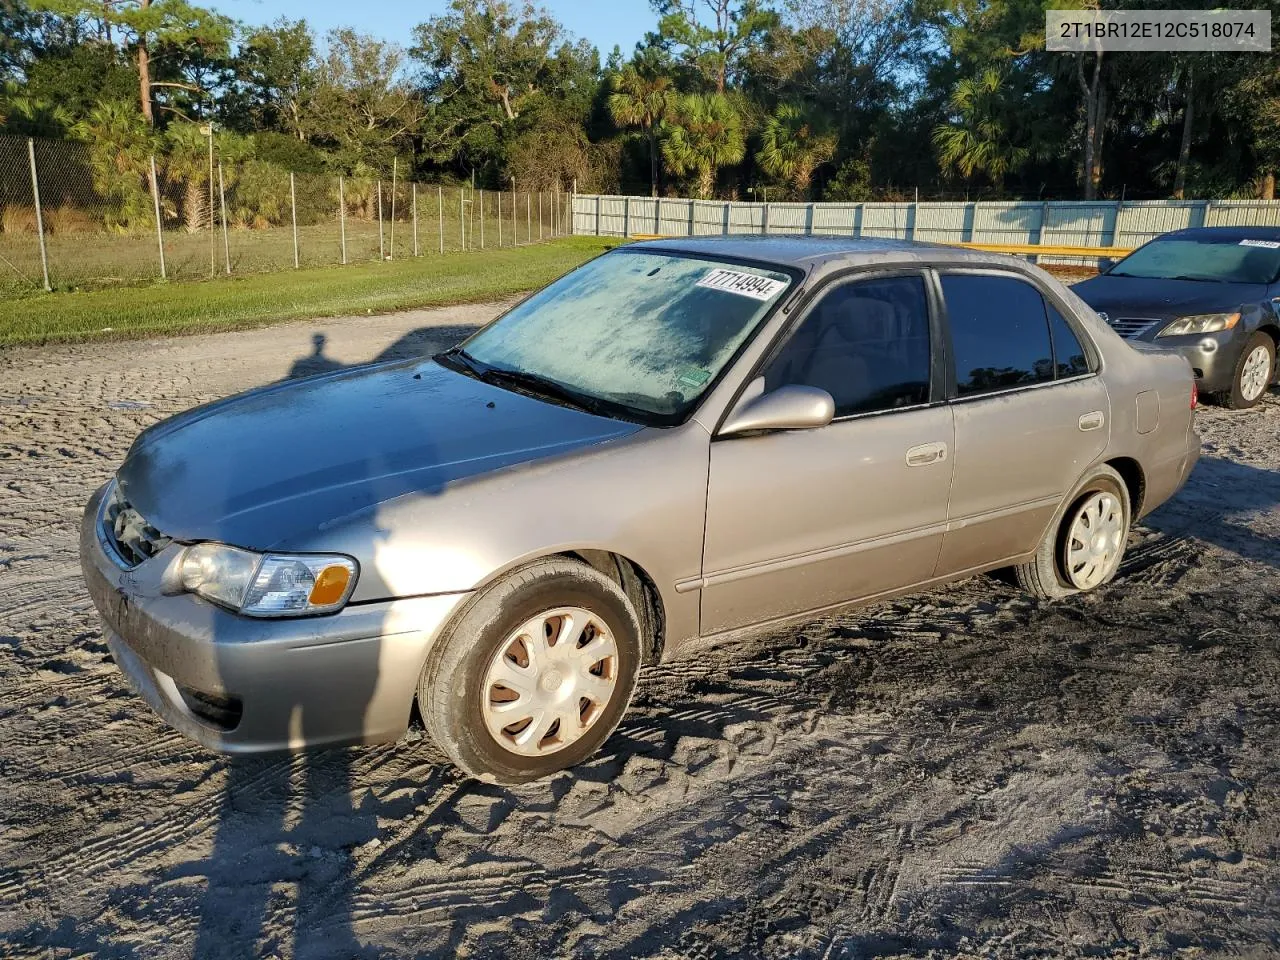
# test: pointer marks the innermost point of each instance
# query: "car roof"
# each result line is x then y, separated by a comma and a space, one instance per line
1224, 234
806, 252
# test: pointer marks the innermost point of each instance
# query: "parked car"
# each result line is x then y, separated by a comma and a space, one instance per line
677, 442
1212, 294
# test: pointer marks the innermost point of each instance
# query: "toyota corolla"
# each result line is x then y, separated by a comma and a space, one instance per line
680, 441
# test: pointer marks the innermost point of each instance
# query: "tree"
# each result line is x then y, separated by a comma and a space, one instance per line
981, 140
173, 25
276, 75
26, 115
704, 135
121, 144
362, 106
716, 44
794, 143
643, 100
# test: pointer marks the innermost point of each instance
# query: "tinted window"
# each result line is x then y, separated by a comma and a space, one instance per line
867, 344
999, 333
1068, 355
1236, 261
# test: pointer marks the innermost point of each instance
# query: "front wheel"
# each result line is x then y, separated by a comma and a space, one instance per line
534, 675
1253, 372
1083, 550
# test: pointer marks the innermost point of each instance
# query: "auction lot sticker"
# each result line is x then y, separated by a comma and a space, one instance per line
744, 284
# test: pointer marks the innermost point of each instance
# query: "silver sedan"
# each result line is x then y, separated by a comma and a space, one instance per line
677, 442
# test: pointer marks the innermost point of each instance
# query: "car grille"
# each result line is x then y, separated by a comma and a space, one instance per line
133, 538
1131, 327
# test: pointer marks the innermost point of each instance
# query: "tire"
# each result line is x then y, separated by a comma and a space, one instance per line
1241, 396
1048, 575
461, 702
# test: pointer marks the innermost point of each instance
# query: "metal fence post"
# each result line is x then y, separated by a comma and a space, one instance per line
693, 211
481, 219
726, 217
382, 250
657, 215
35, 192
293, 211
626, 217
413, 192
212, 221
155, 199
462, 216
764, 220
395, 170
440, 210
499, 219
808, 227
528, 216
597, 214
342, 217
222, 202
515, 199
540, 237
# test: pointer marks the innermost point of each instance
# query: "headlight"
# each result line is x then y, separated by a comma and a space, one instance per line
268, 585
1200, 323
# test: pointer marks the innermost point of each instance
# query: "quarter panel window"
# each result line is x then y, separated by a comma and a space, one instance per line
999, 333
866, 343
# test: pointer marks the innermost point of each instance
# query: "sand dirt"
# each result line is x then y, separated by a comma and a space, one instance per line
966, 772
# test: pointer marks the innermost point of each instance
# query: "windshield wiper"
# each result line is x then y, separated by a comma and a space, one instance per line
546, 389
1184, 276
457, 357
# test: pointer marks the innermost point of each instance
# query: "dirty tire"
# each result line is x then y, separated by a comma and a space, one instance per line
452, 682
1043, 576
1236, 398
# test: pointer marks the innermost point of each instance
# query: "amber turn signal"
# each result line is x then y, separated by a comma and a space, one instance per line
331, 584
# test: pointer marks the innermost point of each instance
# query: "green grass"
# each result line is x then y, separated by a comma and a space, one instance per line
237, 302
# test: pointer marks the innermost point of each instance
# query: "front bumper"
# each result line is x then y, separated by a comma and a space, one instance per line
349, 677
1212, 356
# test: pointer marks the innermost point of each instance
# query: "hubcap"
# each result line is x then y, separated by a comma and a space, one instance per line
1255, 373
1094, 540
549, 681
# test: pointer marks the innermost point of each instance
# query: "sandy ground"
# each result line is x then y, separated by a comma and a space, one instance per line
966, 772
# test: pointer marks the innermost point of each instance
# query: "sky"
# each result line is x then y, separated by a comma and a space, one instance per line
603, 22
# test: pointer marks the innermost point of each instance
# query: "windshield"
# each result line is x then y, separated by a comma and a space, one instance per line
645, 332
1230, 261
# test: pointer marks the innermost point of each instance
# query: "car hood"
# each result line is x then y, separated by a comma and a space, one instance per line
284, 460
1163, 299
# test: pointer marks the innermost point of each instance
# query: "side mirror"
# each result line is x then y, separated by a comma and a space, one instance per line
1105, 264
792, 407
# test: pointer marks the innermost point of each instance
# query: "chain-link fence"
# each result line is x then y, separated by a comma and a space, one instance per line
92, 215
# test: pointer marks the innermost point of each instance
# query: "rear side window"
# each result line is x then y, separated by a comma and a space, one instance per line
999, 333
1068, 355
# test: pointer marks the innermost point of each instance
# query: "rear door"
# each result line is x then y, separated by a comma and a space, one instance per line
1031, 415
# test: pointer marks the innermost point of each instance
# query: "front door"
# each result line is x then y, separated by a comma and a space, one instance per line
806, 519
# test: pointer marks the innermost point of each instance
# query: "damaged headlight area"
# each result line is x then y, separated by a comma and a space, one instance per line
271, 584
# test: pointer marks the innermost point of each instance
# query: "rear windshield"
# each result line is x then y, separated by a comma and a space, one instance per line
1229, 261
646, 331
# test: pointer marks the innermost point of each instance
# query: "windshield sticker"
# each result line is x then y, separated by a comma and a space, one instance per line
1269, 244
743, 284
693, 377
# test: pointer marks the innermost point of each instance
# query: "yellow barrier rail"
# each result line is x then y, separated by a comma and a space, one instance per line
1018, 249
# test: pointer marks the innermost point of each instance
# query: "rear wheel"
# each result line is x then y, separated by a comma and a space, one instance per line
534, 675
1083, 550
1253, 373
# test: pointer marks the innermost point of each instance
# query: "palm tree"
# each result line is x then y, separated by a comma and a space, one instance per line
28, 116
188, 163
981, 142
120, 143
643, 100
794, 144
704, 135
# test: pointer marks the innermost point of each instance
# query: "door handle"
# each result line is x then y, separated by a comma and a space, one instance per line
926, 453
1092, 421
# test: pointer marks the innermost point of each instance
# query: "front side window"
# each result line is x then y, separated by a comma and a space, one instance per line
999, 333
643, 333
866, 343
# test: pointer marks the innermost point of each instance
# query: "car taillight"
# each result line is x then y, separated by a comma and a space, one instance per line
1195, 394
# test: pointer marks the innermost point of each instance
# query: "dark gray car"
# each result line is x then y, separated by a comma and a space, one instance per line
677, 442
1212, 294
